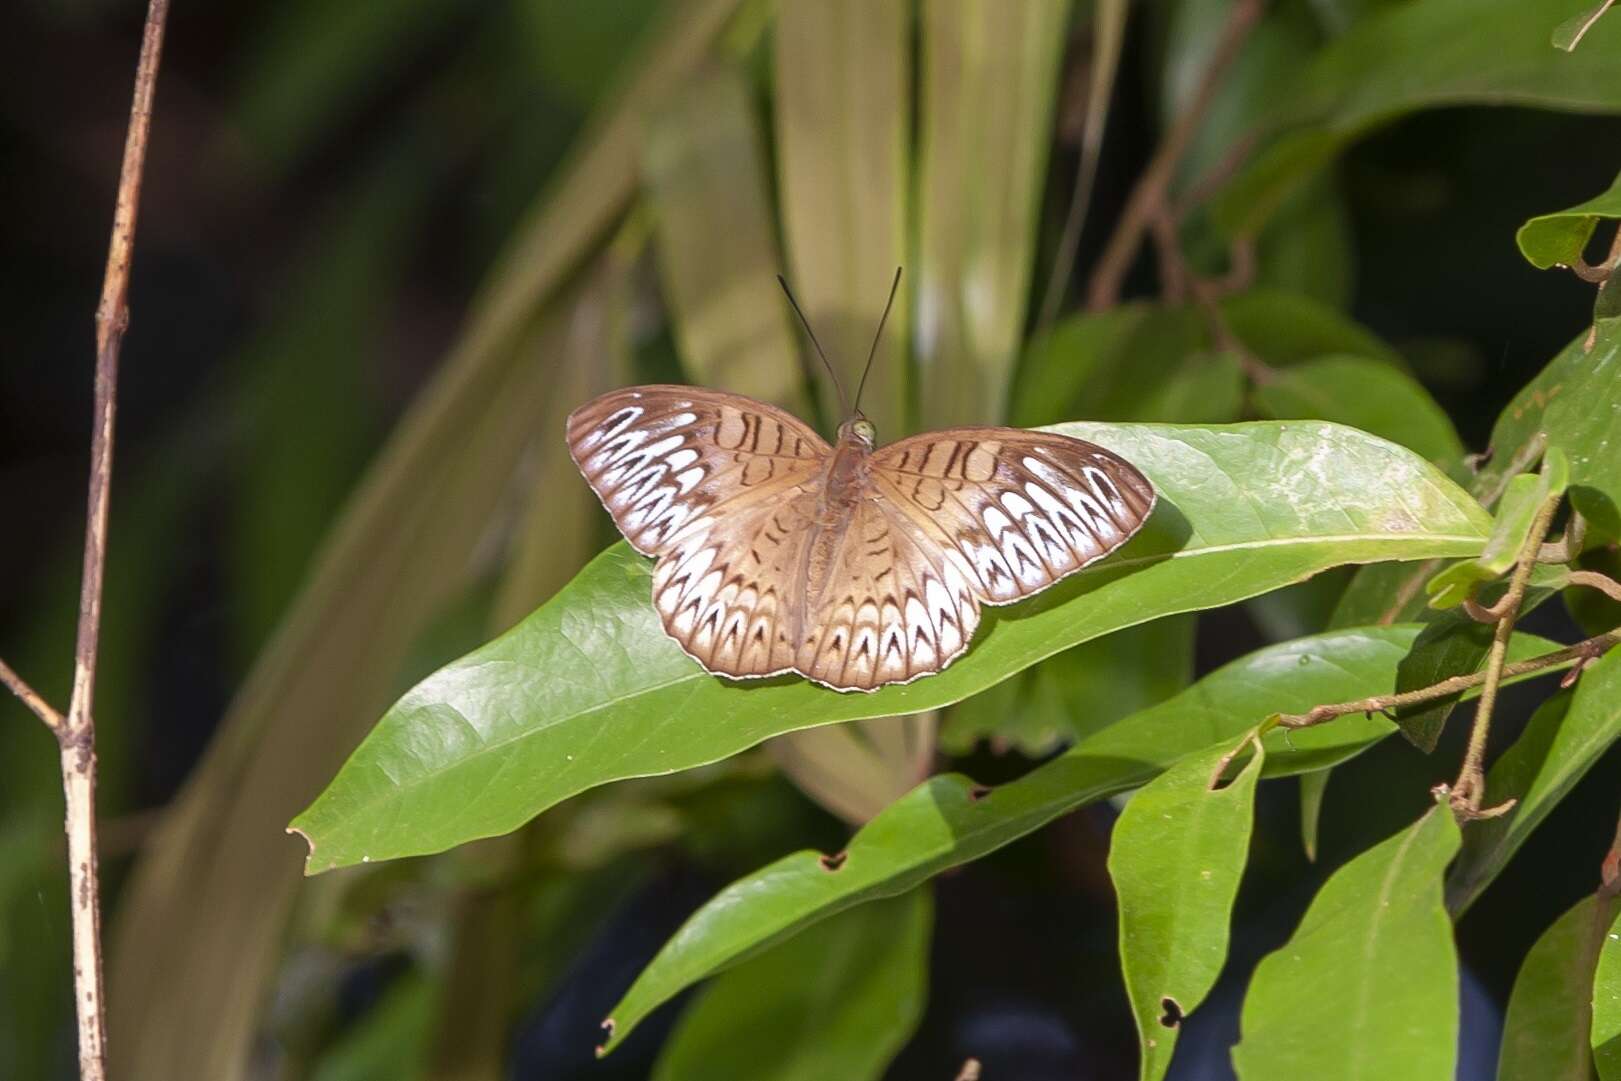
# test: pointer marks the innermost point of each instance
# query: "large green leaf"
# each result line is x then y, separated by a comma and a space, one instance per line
1606, 1036
1576, 403
1368, 985
949, 820
1176, 856
1550, 1012
843, 105
1565, 737
589, 689
1412, 56
1366, 394
985, 96
1560, 238
836, 1002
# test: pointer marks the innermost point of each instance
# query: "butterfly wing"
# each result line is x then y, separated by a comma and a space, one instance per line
884, 602
1022, 509
721, 489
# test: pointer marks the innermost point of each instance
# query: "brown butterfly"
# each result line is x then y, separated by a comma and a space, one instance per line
853, 565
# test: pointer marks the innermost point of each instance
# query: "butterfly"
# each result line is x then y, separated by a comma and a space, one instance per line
854, 565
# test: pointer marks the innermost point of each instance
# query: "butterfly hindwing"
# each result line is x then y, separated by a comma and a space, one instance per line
884, 603
1023, 508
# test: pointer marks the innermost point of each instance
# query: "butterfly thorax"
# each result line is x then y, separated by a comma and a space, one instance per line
844, 484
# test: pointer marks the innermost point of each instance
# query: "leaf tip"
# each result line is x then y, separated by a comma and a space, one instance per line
834, 862
607, 1037
309, 857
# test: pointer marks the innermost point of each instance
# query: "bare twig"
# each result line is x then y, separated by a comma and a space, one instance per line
1384, 703
30, 697
1149, 196
1594, 580
1599, 274
1470, 788
76, 733
1569, 545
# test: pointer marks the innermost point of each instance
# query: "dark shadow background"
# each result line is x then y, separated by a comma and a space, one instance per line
243, 194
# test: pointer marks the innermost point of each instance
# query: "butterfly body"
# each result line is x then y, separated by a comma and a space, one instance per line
854, 565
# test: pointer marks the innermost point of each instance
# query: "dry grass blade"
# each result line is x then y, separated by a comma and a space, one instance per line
203, 916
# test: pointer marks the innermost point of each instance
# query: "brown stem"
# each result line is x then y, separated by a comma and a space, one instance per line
30, 697
1470, 788
1599, 274
1384, 703
1569, 545
1594, 580
1610, 869
77, 733
1149, 196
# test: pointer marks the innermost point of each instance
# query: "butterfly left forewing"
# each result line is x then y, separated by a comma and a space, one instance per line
1022, 508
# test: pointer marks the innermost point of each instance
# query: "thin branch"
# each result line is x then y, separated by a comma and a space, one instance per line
1581, 652
1594, 580
1599, 274
30, 697
1569, 545
1470, 788
1150, 193
77, 734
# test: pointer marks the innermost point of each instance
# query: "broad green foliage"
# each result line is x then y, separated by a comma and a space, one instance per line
1573, 404
948, 820
589, 689
1606, 1040
1176, 856
1366, 394
835, 1002
1368, 985
1550, 1013
1560, 238
1525, 496
1411, 56
1565, 737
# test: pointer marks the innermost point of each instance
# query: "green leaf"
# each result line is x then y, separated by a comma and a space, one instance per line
1559, 745
705, 179
1522, 500
843, 105
1574, 404
986, 95
1284, 328
589, 689
1606, 1037
389, 1040
1368, 985
1568, 34
948, 820
1560, 238
1412, 56
1313, 786
838, 1001
1366, 394
1550, 1012
1176, 856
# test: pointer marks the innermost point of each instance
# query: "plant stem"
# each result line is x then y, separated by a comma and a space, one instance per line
30, 697
77, 733
1148, 197
1384, 703
1470, 788
1594, 580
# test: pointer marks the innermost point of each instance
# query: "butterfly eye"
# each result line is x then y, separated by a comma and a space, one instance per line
864, 430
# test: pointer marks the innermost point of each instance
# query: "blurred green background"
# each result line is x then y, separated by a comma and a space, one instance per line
386, 246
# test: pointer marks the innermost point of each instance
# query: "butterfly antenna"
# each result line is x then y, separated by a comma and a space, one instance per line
873, 352
843, 402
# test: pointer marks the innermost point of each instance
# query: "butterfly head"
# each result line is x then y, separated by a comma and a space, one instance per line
858, 429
